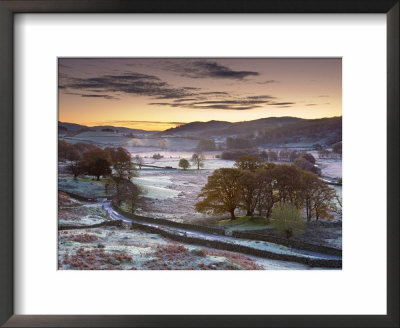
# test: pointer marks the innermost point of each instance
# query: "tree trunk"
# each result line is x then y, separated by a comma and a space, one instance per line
98, 178
233, 215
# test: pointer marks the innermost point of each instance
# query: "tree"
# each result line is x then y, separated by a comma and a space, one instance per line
323, 201
304, 164
97, 162
309, 157
248, 162
121, 161
337, 148
129, 193
77, 168
222, 193
266, 196
67, 151
238, 143
288, 184
139, 161
288, 220
157, 156
250, 191
206, 144
319, 198
198, 159
184, 163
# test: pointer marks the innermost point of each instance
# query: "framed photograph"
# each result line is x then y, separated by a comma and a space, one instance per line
199, 164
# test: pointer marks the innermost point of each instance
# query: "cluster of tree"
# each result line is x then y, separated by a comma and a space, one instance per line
308, 129
158, 156
236, 153
256, 186
107, 130
71, 152
206, 145
238, 143
112, 163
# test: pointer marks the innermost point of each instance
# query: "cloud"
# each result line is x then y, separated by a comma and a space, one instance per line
281, 103
207, 69
311, 104
129, 83
247, 103
261, 97
98, 96
268, 82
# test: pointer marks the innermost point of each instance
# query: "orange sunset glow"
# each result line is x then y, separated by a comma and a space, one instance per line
159, 93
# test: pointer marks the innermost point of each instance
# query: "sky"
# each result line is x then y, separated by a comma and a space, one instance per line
160, 93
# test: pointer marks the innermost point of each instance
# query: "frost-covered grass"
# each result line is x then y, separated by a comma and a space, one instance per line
73, 212
112, 248
84, 186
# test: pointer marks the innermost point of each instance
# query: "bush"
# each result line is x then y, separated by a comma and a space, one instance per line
158, 156
184, 163
288, 220
236, 153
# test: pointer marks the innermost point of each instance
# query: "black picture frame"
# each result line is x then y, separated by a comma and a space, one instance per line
10, 7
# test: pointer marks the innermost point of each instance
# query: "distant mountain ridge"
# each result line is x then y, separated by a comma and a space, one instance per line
223, 128
263, 132
65, 127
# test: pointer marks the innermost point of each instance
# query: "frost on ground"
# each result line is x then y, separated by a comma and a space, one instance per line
84, 186
76, 213
113, 248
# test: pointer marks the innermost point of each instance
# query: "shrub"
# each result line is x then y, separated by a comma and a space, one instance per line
288, 220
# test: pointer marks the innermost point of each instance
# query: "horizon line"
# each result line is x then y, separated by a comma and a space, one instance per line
110, 123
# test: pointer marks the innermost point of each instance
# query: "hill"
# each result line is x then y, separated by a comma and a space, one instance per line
223, 128
72, 129
326, 131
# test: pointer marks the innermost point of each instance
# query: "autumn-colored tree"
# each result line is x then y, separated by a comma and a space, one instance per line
250, 191
128, 193
266, 196
248, 162
288, 184
77, 168
198, 160
318, 197
222, 193
121, 162
184, 163
98, 163
67, 151
309, 157
323, 202
287, 219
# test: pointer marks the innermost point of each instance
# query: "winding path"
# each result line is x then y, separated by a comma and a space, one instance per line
247, 246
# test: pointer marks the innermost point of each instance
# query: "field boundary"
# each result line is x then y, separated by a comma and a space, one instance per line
237, 234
